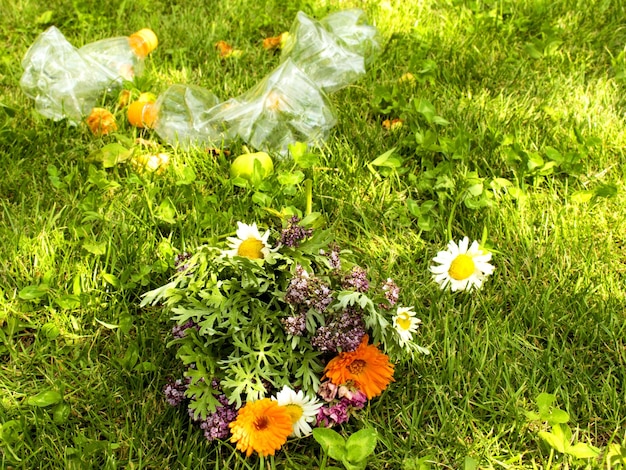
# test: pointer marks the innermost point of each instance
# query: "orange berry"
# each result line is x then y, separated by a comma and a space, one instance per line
141, 114
101, 121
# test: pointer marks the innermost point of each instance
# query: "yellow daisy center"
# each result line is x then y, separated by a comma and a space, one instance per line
251, 248
462, 267
403, 321
294, 411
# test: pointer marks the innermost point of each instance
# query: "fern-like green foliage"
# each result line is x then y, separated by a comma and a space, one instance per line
238, 344
236, 305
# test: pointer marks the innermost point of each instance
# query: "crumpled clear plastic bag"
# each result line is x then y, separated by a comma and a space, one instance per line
291, 103
67, 82
285, 107
184, 116
352, 28
60, 80
334, 51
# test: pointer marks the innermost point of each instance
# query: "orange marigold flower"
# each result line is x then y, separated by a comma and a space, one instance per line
226, 50
276, 42
393, 123
261, 426
271, 43
101, 121
366, 366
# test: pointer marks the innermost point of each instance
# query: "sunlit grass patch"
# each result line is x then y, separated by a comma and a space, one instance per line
499, 121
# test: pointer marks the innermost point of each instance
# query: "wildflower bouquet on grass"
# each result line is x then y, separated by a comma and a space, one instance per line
278, 333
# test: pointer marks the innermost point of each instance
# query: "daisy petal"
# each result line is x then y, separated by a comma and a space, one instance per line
462, 266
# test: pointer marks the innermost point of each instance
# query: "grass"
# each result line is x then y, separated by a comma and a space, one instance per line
533, 95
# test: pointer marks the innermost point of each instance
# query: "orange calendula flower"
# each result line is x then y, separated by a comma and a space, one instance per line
276, 42
393, 123
101, 121
366, 366
261, 426
226, 50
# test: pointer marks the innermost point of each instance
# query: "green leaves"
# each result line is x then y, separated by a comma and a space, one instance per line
547, 412
547, 46
388, 159
95, 247
387, 163
302, 156
166, 211
425, 213
61, 413
34, 292
111, 155
352, 452
361, 444
418, 463
331, 442
559, 437
51, 398
616, 455
427, 110
290, 178
10, 431
45, 17
45, 398
607, 190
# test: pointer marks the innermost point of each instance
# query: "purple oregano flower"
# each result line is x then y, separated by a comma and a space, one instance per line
174, 391
294, 233
308, 291
341, 334
356, 280
215, 426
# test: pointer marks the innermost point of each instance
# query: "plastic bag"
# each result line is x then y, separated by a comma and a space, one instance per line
289, 105
333, 51
285, 107
182, 115
351, 28
67, 82
59, 79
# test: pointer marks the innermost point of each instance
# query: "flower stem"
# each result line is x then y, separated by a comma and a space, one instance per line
451, 217
549, 467
308, 187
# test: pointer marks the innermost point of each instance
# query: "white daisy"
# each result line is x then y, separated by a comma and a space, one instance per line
302, 409
460, 267
249, 242
406, 323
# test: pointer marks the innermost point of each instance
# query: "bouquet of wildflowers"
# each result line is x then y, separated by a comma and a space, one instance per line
278, 333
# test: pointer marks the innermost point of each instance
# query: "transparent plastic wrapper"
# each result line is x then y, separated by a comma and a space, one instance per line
289, 105
121, 57
285, 107
59, 79
182, 116
66, 82
333, 52
351, 28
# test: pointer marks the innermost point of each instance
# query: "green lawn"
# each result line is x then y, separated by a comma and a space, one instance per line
513, 132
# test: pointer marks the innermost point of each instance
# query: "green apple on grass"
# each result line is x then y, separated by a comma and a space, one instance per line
243, 165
